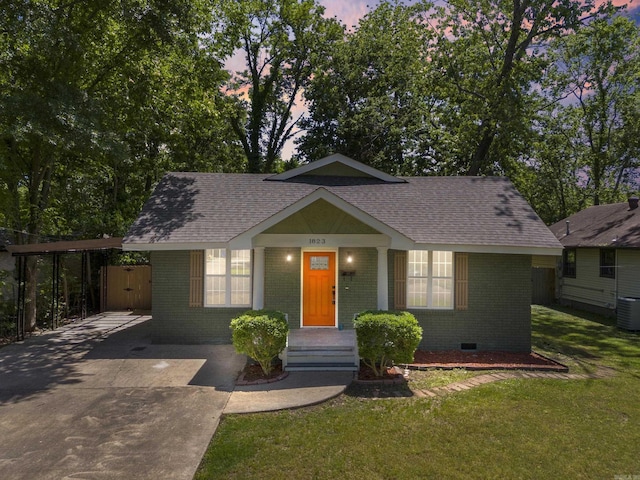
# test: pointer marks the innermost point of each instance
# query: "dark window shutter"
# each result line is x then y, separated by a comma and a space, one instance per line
400, 280
196, 278
462, 281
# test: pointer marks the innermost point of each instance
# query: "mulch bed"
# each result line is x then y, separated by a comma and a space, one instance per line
252, 374
422, 360
484, 361
392, 375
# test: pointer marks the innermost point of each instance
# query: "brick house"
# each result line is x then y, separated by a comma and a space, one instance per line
335, 237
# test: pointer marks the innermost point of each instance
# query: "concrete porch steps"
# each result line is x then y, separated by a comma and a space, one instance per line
321, 350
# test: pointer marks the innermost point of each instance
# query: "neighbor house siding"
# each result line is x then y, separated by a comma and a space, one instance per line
588, 287
282, 282
628, 262
174, 321
498, 315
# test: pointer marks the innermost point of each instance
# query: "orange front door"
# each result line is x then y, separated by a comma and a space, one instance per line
319, 289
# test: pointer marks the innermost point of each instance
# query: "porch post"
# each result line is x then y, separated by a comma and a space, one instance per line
258, 278
383, 279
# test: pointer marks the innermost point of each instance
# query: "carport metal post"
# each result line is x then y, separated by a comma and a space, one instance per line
22, 294
83, 286
55, 290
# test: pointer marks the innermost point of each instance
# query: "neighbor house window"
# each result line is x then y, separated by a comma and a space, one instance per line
228, 277
429, 279
569, 263
608, 263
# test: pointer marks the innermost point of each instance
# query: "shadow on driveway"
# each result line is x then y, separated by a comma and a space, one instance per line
99, 400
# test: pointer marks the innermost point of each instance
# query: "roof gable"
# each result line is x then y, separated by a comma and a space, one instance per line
330, 198
321, 217
336, 165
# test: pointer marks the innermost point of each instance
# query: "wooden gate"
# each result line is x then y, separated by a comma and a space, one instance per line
125, 287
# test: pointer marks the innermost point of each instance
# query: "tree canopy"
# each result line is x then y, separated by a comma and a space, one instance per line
99, 99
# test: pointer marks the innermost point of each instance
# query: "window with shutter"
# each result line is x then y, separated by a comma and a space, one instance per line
429, 279
227, 275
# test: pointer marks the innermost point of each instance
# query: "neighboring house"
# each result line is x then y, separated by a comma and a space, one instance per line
601, 257
333, 238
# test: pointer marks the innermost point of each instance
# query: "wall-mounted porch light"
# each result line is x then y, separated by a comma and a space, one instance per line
348, 271
289, 256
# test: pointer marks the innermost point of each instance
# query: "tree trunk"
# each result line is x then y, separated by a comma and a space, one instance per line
480, 156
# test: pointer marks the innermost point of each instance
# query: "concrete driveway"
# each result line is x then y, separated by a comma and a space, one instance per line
98, 400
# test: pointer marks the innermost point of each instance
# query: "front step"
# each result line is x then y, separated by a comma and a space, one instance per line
321, 350
320, 367
320, 357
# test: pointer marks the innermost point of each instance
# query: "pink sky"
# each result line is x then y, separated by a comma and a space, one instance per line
348, 12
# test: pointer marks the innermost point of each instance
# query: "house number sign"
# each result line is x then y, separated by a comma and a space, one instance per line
319, 263
317, 241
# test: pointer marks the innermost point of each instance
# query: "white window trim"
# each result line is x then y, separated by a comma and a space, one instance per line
228, 277
430, 280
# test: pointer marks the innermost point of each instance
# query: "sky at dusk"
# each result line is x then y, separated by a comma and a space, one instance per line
350, 11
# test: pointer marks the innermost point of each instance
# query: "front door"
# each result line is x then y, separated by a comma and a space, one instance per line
319, 289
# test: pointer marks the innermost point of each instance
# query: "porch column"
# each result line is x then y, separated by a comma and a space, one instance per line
383, 279
258, 278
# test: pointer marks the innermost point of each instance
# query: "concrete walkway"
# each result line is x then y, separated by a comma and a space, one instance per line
298, 389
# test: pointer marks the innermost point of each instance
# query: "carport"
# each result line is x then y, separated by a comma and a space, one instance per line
56, 249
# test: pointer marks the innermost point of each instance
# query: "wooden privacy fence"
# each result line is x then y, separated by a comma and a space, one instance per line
125, 287
543, 286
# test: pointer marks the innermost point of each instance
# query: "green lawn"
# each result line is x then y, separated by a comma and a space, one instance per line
530, 429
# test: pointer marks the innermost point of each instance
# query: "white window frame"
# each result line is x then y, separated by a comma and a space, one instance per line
430, 279
228, 279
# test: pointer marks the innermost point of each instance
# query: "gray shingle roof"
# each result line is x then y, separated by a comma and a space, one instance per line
212, 207
612, 225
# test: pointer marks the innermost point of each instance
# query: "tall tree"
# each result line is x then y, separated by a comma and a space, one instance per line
280, 41
370, 99
491, 54
79, 89
551, 177
598, 70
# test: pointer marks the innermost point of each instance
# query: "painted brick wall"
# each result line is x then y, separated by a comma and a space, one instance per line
498, 317
282, 282
499, 314
360, 292
173, 320
354, 294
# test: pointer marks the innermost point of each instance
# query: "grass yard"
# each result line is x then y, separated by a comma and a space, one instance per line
529, 429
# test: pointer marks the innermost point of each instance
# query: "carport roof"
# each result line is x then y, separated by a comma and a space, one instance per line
66, 246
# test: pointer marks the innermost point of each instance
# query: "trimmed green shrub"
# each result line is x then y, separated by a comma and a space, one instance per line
385, 338
260, 334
